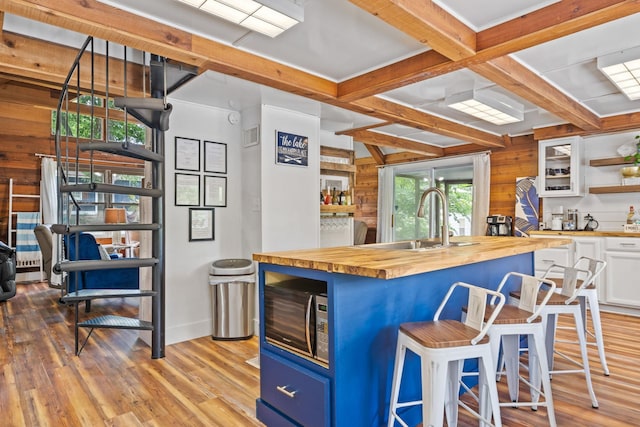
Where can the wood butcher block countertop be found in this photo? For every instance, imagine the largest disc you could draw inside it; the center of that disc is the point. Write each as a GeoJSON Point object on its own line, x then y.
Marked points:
{"type": "Point", "coordinates": [583, 233]}
{"type": "Point", "coordinates": [393, 263]}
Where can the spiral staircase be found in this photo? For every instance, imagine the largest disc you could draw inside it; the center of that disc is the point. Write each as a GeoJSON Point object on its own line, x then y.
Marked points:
{"type": "Point", "coordinates": [91, 75]}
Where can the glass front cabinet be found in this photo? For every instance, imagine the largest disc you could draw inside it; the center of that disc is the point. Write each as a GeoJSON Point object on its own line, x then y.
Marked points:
{"type": "Point", "coordinates": [560, 169]}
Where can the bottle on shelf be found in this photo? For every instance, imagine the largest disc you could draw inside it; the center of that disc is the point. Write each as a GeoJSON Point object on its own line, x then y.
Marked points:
{"type": "Point", "coordinates": [334, 197]}
{"type": "Point", "coordinates": [348, 197]}
{"type": "Point", "coordinates": [630, 215]}
{"type": "Point", "coordinates": [635, 219]}
{"type": "Point", "coordinates": [342, 199]}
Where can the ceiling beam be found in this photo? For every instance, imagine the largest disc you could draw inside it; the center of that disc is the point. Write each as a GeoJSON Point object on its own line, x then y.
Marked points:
{"type": "Point", "coordinates": [543, 25]}
{"type": "Point", "coordinates": [520, 80]}
{"type": "Point", "coordinates": [426, 22]}
{"type": "Point", "coordinates": [376, 153]}
{"type": "Point", "coordinates": [611, 124]}
{"type": "Point", "coordinates": [380, 139]}
{"type": "Point", "coordinates": [385, 110]}
{"type": "Point", "coordinates": [48, 62]}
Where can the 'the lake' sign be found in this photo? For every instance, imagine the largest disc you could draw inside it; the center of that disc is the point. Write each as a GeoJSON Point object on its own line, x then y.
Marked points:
{"type": "Point", "coordinates": [292, 149]}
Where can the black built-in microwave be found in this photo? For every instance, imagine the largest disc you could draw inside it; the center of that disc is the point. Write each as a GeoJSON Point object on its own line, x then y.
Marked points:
{"type": "Point", "coordinates": [296, 315]}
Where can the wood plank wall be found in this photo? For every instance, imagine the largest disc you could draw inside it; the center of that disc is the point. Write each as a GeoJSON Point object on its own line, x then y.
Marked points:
{"type": "Point", "coordinates": [518, 159]}
{"type": "Point", "coordinates": [25, 129]}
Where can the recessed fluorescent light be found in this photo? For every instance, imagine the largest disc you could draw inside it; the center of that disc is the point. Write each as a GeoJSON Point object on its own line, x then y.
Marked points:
{"type": "Point", "coordinates": [491, 107]}
{"type": "Point", "coordinates": [269, 17]}
{"type": "Point", "coordinates": [623, 70]}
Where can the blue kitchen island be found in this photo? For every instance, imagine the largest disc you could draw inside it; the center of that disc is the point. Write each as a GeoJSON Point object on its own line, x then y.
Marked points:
{"type": "Point", "coordinates": [370, 291]}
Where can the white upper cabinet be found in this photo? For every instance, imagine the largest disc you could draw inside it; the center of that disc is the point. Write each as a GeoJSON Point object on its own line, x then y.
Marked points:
{"type": "Point", "coordinates": [560, 168]}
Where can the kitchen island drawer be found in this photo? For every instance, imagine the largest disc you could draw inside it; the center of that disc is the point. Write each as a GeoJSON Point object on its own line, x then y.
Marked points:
{"type": "Point", "coordinates": [299, 393]}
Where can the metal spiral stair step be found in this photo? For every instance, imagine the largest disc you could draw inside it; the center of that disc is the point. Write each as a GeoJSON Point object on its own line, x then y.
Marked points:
{"type": "Point", "coordinates": [90, 294]}
{"type": "Point", "coordinates": [112, 264]}
{"type": "Point", "coordinates": [97, 187]}
{"type": "Point", "coordinates": [71, 229]}
{"type": "Point", "coordinates": [134, 151]}
{"type": "Point", "coordinates": [153, 112]}
{"type": "Point", "coordinates": [116, 322]}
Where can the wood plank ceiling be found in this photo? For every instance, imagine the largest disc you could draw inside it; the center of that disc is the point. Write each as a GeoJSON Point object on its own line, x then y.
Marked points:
{"type": "Point", "coordinates": [453, 46]}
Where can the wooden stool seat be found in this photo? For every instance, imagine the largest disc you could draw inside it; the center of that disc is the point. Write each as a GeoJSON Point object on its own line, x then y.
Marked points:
{"type": "Point", "coordinates": [556, 299]}
{"type": "Point", "coordinates": [509, 315]}
{"type": "Point", "coordinates": [578, 284]}
{"type": "Point", "coordinates": [441, 333]}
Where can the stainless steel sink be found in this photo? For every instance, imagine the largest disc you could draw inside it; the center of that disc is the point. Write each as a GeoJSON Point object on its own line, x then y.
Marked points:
{"type": "Point", "coordinates": [414, 245]}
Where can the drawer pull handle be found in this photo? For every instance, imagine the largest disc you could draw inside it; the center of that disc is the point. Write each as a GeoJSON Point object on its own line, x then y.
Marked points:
{"type": "Point", "coordinates": [283, 389]}
{"type": "Point", "coordinates": [548, 261]}
{"type": "Point", "coordinates": [628, 245]}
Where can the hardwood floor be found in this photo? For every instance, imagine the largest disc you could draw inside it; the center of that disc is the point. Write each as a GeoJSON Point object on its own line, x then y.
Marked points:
{"type": "Point", "coordinates": [208, 383]}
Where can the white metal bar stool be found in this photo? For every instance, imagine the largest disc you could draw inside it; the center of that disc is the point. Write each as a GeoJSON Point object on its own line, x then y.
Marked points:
{"type": "Point", "coordinates": [442, 346]}
{"type": "Point", "coordinates": [588, 295]}
{"type": "Point", "coordinates": [524, 319]}
{"type": "Point", "coordinates": [565, 302]}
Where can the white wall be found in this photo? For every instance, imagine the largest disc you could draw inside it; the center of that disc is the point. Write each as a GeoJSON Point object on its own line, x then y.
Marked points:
{"type": "Point", "coordinates": [188, 302]}
{"type": "Point", "coordinates": [610, 210]}
{"type": "Point", "coordinates": [289, 194]}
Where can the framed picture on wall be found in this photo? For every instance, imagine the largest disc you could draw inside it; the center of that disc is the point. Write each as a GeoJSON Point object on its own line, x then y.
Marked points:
{"type": "Point", "coordinates": [292, 149]}
{"type": "Point", "coordinates": [215, 157]}
{"type": "Point", "coordinates": [187, 189]}
{"type": "Point", "coordinates": [215, 191]}
{"type": "Point", "coordinates": [187, 154]}
{"type": "Point", "coordinates": [201, 224]}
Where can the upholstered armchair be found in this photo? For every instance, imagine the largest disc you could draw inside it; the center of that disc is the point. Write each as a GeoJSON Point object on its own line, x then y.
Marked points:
{"type": "Point", "coordinates": [89, 249]}
{"type": "Point", "coordinates": [45, 241]}
{"type": "Point", "coordinates": [7, 272]}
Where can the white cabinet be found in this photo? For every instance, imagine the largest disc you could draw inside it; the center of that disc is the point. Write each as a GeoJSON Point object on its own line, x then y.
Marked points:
{"type": "Point", "coordinates": [592, 247]}
{"type": "Point", "coordinates": [560, 171]}
{"type": "Point", "coordinates": [623, 259]}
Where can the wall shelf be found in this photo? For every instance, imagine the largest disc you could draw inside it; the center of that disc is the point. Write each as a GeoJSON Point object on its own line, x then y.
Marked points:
{"type": "Point", "coordinates": [337, 209]}
{"type": "Point", "coordinates": [338, 162]}
{"type": "Point", "coordinates": [611, 161]}
{"type": "Point", "coordinates": [615, 189]}
{"type": "Point", "coordinates": [612, 189]}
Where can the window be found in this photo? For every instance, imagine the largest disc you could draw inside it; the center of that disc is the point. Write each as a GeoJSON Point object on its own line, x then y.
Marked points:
{"type": "Point", "coordinates": [82, 122]}
{"type": "Point", "coordinates": [92, 205]}
{"type": "Point", "coordinates": [457, 184]}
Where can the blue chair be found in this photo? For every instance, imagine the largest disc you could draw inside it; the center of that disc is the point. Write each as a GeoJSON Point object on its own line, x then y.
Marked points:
{"type": "Point", "coordinates": [88, 249]}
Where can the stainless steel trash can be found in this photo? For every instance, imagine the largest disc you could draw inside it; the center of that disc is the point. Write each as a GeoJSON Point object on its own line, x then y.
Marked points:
{"type": "Point", "coordinates": [232, 283]}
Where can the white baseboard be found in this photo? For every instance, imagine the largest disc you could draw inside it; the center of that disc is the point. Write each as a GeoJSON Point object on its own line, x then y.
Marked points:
{"type": "Point", "coordinates": [30, 276]}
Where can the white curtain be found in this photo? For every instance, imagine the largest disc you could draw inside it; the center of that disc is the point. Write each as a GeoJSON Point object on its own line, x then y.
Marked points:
{"type": "Point", "coordinates": [49, 202]}
{"type": "Point", "coordinates": [49, 191]}
{"type": "Point", "coordinates": [384, 231]}
{"type": "Point", "coordinates": [481, 190]}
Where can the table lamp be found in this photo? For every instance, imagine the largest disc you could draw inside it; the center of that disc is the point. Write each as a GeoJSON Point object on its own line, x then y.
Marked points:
{"type": "Point", "coordinates": [115, 216]}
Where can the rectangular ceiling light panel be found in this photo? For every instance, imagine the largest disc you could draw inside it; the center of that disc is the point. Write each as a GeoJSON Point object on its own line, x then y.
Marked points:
{"type": "Point", "coordinates": [492, 108]}
{"type": "Point", "coordinates": [269, 17]}
{"type": "Point", "coordinates": [623, 70]}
